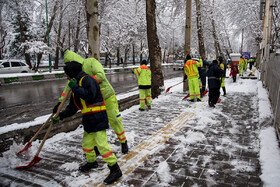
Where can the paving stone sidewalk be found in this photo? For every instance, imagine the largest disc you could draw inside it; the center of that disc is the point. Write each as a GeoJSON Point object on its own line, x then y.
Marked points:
{"type": "Point", "coordinates": [226, 155]}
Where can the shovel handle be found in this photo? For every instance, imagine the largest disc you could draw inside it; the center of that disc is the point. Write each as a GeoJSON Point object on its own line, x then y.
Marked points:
{"type": "Point", "coordinates": [37, 133]}
{"type": "Point", "coordinates": [50, 127]}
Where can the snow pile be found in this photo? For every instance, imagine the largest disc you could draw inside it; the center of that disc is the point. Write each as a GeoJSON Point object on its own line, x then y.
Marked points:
{"type": "Point", "coordinates": [164, 174]}
{"type": "Point", "coordinates": [269, 148]}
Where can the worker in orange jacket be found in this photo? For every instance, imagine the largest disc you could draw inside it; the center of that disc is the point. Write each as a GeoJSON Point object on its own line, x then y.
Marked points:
{"type": "Point", "coordinates": [191, 70]}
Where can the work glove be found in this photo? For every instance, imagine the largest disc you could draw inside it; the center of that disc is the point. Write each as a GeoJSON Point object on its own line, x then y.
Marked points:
{"type": "Point", "coordinates": [72, 83]}
{"type": "Point", "coordinates": [55, 120]}
{"type": "Point", "coordinates": [132, 71]}
{"type": "Point", "coordinates": [56, 107]}
{"type": "Point", "coordinates": [185, 77]}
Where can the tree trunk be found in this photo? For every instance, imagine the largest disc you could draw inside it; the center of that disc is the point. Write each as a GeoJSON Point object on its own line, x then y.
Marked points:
{"type": "Point", "coordinates": [93, 28]}
{"type": "Point", "coordinates": [188, 30]}
{"type": "Point", "coordinates": [164, 53]}
{"type": "Point", "coordinates": [23, 39]}
{"type": "Point", "coordinates": [58, 37]}
{"type": "Point", "coordinates": [215, 38]}
{"type": "Point", "coordinates": [200, 30]}
{"type": "Point", "coordinates": [126, 50]}
{"type": "Point", "coordinates": [76, 43]}
{"type": "Point", "coordinates": [118, 56]}
{"type": "Point", "coordinates": [141, 49]}
{"type": "Point", "coordinates": [154, 49]}
{"type": "Point", "coordinates": [133, 53]}
{"type": "Point", "coordinates": [216, 41]}
{"type": "Point", "coordinates": [188, 27]}
{"type": "Point", "coordinates": [242, 39]}
{"type": "Point", "coordinates": [69, 35]}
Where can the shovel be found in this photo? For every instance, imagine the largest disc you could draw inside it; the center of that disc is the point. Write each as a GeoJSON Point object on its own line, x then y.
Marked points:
{"type": "Point", "coordinates": [186, 96]}
{"type": "Point", "coordinates": [36, 158]}
{"type": "Point", "coordinates": [167, 90]}
{"type": "Point", "coordinates": [29, 144]}
{"type": "Point", "coordinates": [205, 92]}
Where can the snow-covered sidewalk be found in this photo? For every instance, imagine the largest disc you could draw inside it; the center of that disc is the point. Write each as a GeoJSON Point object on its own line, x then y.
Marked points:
{"type": "Point", "coordinates": [177, 143]}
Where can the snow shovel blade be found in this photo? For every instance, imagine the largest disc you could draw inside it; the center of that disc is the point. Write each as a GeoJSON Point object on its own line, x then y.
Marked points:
{"type": "Point", "coordinates": [35, 160]}
{"type": "Point", "coordinates": [27, 146]}
{"type": "Point", "coordinates": [205, 92]}
{"type": "Point", "coordinates": [186, 97]}
{"type": "Point", "coordinates": [219, 100]}
{"type": "Point", "coordinates": [167, 90]}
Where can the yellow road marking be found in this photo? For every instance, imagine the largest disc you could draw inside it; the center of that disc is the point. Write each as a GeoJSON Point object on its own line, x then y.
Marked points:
{"type": "Point", "coordinates": [133, 159]}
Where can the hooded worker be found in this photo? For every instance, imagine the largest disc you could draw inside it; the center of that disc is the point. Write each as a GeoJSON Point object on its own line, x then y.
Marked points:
{"type": "Point", "coordinates": [214, 75]}
{"type": "Point", "coordinates": [143, 74]}
{"type": "Point", "coordinates": [94, 68]}
{"type": "Point", "coordinates": [87, 97]}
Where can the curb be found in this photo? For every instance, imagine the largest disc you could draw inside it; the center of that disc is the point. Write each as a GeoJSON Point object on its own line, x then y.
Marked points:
{"type": "Point", "coordinates": [31, 78]}
{"type": "Point", "coordinates": [27, 78]}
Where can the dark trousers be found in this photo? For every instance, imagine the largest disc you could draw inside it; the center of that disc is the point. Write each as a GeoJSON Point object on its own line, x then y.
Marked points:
{"type": "Point", "coordinates": [214, 94]}
{"type": "Point", "coordinates": [234, 78]}
{"type": "Point", "coordinates": [203, 83]}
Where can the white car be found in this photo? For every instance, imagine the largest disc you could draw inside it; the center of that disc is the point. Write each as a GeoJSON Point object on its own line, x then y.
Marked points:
{"type": "Point", "coordinates": [178, 65]}
{"type": "Point", "coordinates": [13, 66]}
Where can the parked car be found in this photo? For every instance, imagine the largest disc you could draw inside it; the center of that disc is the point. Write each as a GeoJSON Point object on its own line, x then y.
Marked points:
{"type": "Point", "coordinates": [13, 66]}
{"type": "Point", "coordinates": [178, 65]}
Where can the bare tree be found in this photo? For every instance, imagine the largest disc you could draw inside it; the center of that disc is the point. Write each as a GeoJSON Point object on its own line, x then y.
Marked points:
{"type": "Point", "coordinates": [154, 48]}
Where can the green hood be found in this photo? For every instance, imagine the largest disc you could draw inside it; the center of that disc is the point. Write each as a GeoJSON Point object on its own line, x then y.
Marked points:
{"type": "Point", "coordinates": [72, 56]}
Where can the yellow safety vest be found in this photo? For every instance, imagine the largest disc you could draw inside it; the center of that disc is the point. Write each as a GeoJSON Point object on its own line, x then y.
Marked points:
{"type": "Point", "coordinates": [191, 69]}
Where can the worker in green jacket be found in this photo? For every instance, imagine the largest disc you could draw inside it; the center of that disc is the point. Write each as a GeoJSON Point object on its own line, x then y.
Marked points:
{"type": "Point", "coordinates": [241, 65]}
{"type": "Point", "coordinates": [143, 74]}
{"type": "Point", "coordinates": [94, 68]}
{"type": "Point", "coordinates": [222, 66]}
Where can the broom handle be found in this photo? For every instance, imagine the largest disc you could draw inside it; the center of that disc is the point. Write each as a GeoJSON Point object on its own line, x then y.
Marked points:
{"type": "Point", "coordinates": [56, 115]}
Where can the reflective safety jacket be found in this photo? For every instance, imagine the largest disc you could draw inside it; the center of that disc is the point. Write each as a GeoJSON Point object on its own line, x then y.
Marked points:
{"type": "Point", "coordinates": [87, 97]}
{"type": "Point", "coordinates": [92, 67]}
{"type": "Point", "coordinates": [241, 63]}
{"type": "Point", "coordinates": [191, 68]}
{"type": "Point", "coordinates": [144, 77]}
{"type": "Point", "coordinates": [222, 66]}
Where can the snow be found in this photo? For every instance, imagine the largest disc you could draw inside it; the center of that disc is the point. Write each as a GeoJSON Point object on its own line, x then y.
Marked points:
{"type": "Point", "coordinates": [269, 150]}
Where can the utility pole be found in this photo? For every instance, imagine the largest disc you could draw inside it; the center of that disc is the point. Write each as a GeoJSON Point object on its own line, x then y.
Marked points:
{"type": "Point", "coordinates": [265, 45]}
{"type": "Point", "coordinates": [188, 30]}
{"type": "Point", "coordinates": [50, 63]}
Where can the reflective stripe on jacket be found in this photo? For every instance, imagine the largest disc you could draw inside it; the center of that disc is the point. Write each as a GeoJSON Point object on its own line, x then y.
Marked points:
{"type": "Point", "coordinates": [89, 108]}
{"type": "Point", "coordinates": [191, 68]}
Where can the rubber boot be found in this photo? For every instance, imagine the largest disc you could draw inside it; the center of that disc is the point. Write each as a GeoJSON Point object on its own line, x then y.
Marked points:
{"type": "Point", "coordinates": [124, 147]}
{"type": "Point", "coordinates": [88, 166]}
{"type": "Point", "coordinates": [224, 89]}
{"type": "Point", "coordinates": [115, 174]}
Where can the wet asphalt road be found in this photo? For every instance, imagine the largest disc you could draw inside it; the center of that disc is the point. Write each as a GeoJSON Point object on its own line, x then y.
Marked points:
{"type": "Point", "coordinates": [23, 102]}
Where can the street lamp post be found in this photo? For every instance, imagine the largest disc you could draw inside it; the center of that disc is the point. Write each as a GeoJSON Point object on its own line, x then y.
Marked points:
{"type": "Point", "coordinates": [50, 63]}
